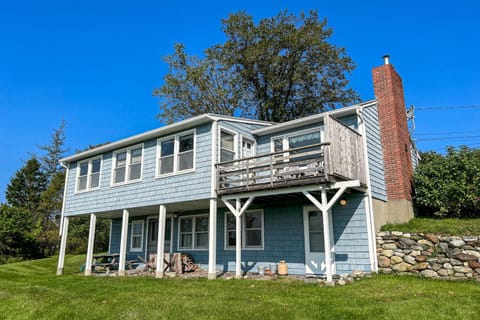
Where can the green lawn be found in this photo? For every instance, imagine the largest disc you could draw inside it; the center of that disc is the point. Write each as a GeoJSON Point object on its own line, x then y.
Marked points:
{"type": "Point", "coordinates": [30, 290]}
{"type": "Point", "coordinates": [438, 226]}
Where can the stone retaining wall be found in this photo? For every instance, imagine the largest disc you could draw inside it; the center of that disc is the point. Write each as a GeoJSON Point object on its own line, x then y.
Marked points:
{"type": "Point", "coordinates": [429, 255]}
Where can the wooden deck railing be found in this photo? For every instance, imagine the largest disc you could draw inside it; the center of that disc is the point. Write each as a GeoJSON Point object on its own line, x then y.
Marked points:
{"type": "Point", "coordinates": [339, 158]}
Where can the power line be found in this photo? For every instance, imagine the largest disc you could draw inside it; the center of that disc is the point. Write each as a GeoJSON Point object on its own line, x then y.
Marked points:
{"type": "Point", "coordinates": [450, 138]}
{"type": "Point", "coordinates": [447, 108]}
{"type": "Point", "coordinates": [443, 133]}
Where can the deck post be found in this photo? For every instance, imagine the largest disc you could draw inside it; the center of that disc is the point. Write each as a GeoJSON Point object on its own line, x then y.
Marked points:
{"type": "Point", "coordinates": [63, 246]}
{"type": "Point", "coordinates": [91, 241]}
{"type": "Point", "coordinates": [212, 240]}
{"type": "Point", "coordinates": [238, 240]}
{"type": "Point", "coordinates": [162, 219]}
{"type": "Point", "coordinates": [326, 234]}
{"type": "Point", "coordinates": [123, 243]}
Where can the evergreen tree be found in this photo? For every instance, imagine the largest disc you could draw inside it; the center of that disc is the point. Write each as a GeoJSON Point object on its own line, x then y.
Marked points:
{"type": "Point", "coordinates": [26, 187]}
{"type": "Point", "coordinates": [54, 151]}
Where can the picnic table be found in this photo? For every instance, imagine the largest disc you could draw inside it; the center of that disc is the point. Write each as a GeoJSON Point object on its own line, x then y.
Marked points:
{"type": "Point", "coordinates": [109, 262]}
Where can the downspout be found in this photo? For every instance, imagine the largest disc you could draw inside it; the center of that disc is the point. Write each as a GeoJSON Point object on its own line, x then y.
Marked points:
{"type": "Point", "coordinates": [64, 197]}
{"type": "Point", "coordinates": [370, 218]}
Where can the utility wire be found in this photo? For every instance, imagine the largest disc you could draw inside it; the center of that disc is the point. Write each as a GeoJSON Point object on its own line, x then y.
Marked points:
{"type": "Point", "coordinates": [447, 108]}
{"type": "Point", "coordinates": [444, 133]}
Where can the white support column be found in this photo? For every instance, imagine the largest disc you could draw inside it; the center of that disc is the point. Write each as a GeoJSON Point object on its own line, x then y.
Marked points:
{"type": "Point", "coordinates": [326, 235]}
{"type": "Point", "coordinates": [238, 243]}
{"type": "Point", "coordinates": [91, 242]}
{"type": "Point", "coordinates": [162, 219]}
{"type": "Point", "coordinates": [123, 243]}
{"type": "Point", "coordinates": [212, 240]}
{"type": "Point", "coordinates": [63, 246]}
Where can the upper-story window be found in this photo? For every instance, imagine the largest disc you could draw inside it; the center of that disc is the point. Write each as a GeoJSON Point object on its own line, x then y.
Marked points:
{"type": "Point", "coordinates": [227, 146]}
{"type": "Point", "coordinates": [176, 154]}
{"type": "Point", "coordinates": [298, 140]}
{"type": "Point", "coordinates": [127, 165]}
{"type": "Point", "coordinates": [89, 174]}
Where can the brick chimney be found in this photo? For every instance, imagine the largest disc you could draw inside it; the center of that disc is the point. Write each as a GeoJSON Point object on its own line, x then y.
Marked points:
{"type": "Point", "coordinates": [395, 137]}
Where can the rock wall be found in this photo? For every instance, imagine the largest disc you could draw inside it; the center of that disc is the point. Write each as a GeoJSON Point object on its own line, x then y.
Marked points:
{"type": "Point", "coordinates": [429, 255]}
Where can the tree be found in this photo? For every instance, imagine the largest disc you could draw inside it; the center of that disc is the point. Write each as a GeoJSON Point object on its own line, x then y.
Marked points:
{"type": "Point", "coordinates": [449, 186]}
{"type": "Point", "coordinates": [26, 187]}
{"type": "Point", "coordinates": [280, 69]}
{"type": "Point", "coordinates": [16, 238]}
{"type": "Point", "coordinates": [54, 151]}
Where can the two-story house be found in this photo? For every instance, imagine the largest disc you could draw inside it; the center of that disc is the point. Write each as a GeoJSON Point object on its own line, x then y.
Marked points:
{"type": "Point", "coordinates": [238, 193]}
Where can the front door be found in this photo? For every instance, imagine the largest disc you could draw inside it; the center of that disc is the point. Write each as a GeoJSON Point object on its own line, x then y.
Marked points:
{"type": "Point", "coordinates": [314, 241]}
{"type": "Point", "coordinates": [153, 236]}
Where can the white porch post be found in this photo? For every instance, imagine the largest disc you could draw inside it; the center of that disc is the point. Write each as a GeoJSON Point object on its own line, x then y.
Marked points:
{"type": "Point", "coordinates": [63, 246]}
{"type": "Point", "coordinates": [212, 240]}
{"type": "Point", "coordinates": [91, 241]}
{"type": "Point", "coordinates": [123, 243]}
{"type": "Point", "coordinates": [326, 234]}
{"type": "Point", "coordinates": [162, 217]}
{"type": "Point", "coordinates": [238, 242]}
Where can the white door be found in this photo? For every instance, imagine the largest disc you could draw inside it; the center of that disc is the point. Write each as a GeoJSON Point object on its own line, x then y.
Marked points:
{"type": "Point", "coordinates": [314, 241]}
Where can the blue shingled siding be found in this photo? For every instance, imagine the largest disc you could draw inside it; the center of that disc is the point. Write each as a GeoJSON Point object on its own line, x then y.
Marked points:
{"type": "Point", "coordinates": [283, 239]}
{"type": "Point", "coordinates": [150, 191]}
{"type": "Point", "coordinates": [350, 235]}
{"type": "Point", "coordinates": [375, 153]}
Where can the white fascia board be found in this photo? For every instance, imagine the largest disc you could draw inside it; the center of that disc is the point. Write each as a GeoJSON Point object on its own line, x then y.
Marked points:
{"type": "Point", "coordinates": [241, 120]}
{"type": "Point", "coordinates": [179, 126]}
{"type": "Point", "coordinates": [311, 119]}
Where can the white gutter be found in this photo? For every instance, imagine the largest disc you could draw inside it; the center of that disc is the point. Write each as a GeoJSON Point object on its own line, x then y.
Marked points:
{"type": "Point", "coordinates": [64, 198]}
{"type": "Point", "coordinates": [369, 205]}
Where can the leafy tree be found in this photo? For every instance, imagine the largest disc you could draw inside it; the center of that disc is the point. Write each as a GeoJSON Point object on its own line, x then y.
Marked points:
{"type": "Point", "coordinates": [16, 234]}
{"type": "Point", "coordinates": [449, 186]}
{"type": "Point", "coordinates": [54, 151]}
{"type": "Point", "coordinates": [280, 69]}
{"type": "Point", "coordinates": [78, 235]}
{"type": "Point", "coordinates": [26, 187]}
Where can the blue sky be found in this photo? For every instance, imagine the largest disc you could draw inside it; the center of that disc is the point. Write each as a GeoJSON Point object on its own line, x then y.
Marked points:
{"type": "Point", "coordinates": [95, 63]}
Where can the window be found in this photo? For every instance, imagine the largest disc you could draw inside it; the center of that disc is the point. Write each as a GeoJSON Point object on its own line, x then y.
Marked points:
{"type": "Point", "coordinates": [193, 232]}
{"type": "Point", "coordinates": [89, 175]}
{"type": "Point", "coordinates": [298, 140]}
{"type": "Point", "coordinates": [176, 154]}
{"type": "Point", "coordinates": [127, 165]}
{"type": "Point", "coordinates": [136, 240]}
{"type": "Point", "coordinates": [227, 146]}
{"type": "Point", "coordinates": [252, 230]}
{"type": "Point", "coordinates": [248, 148]}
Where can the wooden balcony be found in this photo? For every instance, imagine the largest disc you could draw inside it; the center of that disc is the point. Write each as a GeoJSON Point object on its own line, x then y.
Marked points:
{"type": "Point", "coordinates": [339, 158]}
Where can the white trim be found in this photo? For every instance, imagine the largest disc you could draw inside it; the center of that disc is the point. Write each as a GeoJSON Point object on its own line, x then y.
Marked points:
{"type": "Point", "coordinates": [162, 218]}
{"type": "Point", "coordinates": [155, 133]}
{"type": "Point", "coordinates": [235, 141]}
{"type": "Point", "coordinates": [176, 144]}
{"type": "Point", "coordinates": [372, 245]}
{"type": "Point", "coordinates": [90, 246]}
{"type": "Point", "coordinates": [110, 237]}
{"type": "Point", "coordinates": [254, 146]}
{"type": "Point", "coordinates": [67, 172]}
{"type": "Point", "coordinates": [89, 174]}
{"type": "Point", "coordinates": [128, 152]}
{"type": "Point", "coordinates": [142, 223]}
{"type": "Point", "coordinates": [310, 119]}
{"type": "Point", "coordinates": [193, 247]}
{"type": "Point", "coordinates": [244, 231]}
{"type": "Point", "coordinates": [123, 243]}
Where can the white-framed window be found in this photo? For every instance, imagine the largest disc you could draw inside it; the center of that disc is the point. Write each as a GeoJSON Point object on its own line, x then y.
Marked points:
{"type": "Point", "coordinates": [127, 165]}
{"type": "Point", "coordinates": [193, 232]}
{"type": "Point", "coordinates": [176, 154]}
{"type": "Point", "coordinates": [252, 230]}
{"type": "Point", "coordinates": [88, 177]}
{"type": "Point", "coordinates": [228, 145]}
{"type": "Point", "coordinates": [298, 139]}
{"type": "Point", "coordinates": [248, 147]}
{"type": "Point", "coordinates": [136, 237]}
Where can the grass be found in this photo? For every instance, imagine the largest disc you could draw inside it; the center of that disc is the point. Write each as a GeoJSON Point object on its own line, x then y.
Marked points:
{"type": "Point", "coordinates": [449, 226]}
{"type": "Point", "coordinates": [30, 290]}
